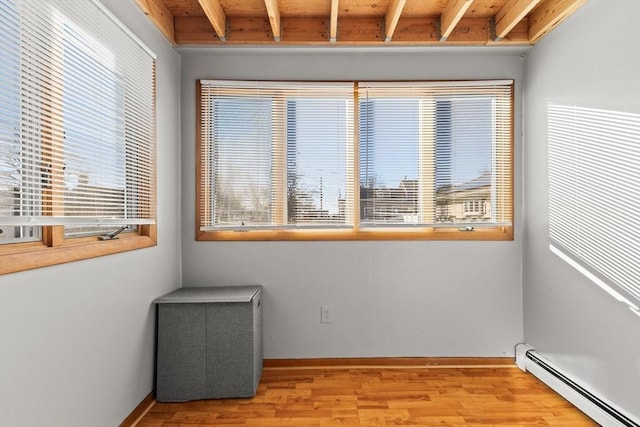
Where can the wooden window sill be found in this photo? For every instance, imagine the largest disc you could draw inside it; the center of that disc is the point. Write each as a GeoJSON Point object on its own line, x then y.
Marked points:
{"type": "Point", "coordinates": [493, 234]}
{"type": "Point", "coordinates": [27, 256]}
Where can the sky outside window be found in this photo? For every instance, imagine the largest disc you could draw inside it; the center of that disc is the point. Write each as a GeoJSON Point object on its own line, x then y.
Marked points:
{"type": "Point", "coordinates": [316, 153]}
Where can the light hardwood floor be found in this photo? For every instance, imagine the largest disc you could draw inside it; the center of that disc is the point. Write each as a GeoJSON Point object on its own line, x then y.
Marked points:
{"type": "Point", "coordinates": [461, 393]}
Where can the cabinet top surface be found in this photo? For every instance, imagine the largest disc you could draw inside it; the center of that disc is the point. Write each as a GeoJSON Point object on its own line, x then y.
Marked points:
{"type": "Point", "coordinates": [211, 294]}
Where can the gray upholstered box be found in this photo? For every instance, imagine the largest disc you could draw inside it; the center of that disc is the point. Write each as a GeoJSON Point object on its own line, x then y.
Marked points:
{"type": "Point", "coordinates": [209, 343]}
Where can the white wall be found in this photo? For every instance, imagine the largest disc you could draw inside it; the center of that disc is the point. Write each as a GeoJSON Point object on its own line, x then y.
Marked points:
{"type": "Point", "coordinates": [592, 60]}
{"type": "Point", "coordinates": [77, 340]}
{"type": "Point", "coordinates": [389, 298]}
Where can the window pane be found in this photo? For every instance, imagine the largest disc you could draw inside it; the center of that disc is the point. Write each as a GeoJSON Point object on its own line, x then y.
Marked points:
{"type": "Point", "coordinates": [11, 202]}
{"type": "Point", "coordinates": [275, 155]}
{"type": "Point", "coordinates": [316, 161]}
{"type": "Point", "coordinates": [435, 155]}
{"type": "Point", "coordinates": [93, 117]}
{"type": "Point", "coordinates": [464, 141]}
{"type": "Point", "coordinates": [389, 142]}
{"type": "Point", "coordinates": [241, 160]}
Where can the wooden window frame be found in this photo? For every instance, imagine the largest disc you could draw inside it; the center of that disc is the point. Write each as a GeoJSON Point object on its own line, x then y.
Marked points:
{"type": "Point", "coordinates": [54, 248]}
{"type": "Point", "coordinates": [499, 233]}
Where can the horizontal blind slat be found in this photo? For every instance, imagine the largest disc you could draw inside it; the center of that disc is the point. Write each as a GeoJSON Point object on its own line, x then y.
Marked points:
{"type": "Point", "coordinates": [84, 123]}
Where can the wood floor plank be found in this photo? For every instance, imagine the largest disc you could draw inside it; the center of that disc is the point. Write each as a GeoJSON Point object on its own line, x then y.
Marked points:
{"type": "Point", "coordinates": [381, 395]}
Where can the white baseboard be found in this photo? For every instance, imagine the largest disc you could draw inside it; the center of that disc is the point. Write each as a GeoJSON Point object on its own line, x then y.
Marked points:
{"type": "Point", "coordinates": [602, 411]}
{"type": "Point", "coordinates": [521, 355]}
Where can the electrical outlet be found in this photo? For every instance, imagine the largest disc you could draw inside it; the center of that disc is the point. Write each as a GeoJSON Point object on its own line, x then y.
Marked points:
{"type": "Point", "coordinates": [326, 314]}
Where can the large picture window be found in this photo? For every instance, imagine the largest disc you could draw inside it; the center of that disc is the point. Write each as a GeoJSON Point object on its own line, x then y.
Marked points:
{"type": "Point", "coordinates": [77, 134]}
{"type": "Point", "coordinates": [363, 160]}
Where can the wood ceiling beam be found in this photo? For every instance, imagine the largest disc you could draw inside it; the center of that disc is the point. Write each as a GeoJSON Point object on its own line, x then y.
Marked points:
{"type": "Point", "coordinates": [511, 14]}
{"type": "Point", "coordinates": [519, 35]}
{"type": "Point", "coordinates": [548, 15]}
{"type": "Point", "coordinates": [215, 14]}
{"type": "Point", "coordinates": [333, 26]}
{"type": "Point", "coordinates": [274, 18]}
{"type": "Point", "coordinates": [161, 16]}
{"type": "Point", "coordinates": [391, 18]}
{"type": "Point", "coordinates": [451, 15]}
{"type": "Point", "coordinates": [360, 31]}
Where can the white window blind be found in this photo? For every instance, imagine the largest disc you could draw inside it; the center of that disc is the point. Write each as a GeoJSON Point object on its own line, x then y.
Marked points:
{"type": "Point", "coordinates": [427, 149]}
{"type": "Point", "coordinates": [276, 155]}
{"type": "Point", "coordinates": [77, 117]}
{"type": "Point", "coordinates": [594, 192]}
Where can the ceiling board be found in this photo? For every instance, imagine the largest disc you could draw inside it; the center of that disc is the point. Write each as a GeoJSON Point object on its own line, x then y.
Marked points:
{"type": "Point", "coordinates": [184, 7]}
{"type": "Point", "coordinates": [244, 7]}
{"type": "Point", "coordinates": [364, 22]}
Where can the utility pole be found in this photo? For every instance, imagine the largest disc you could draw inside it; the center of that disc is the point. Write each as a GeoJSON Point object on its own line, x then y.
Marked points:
{"type": "Point", "coordinates": [321, 194]}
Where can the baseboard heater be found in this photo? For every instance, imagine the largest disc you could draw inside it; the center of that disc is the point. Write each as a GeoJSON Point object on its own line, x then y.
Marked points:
{"type": "Point", "coordinates": [601, 411]}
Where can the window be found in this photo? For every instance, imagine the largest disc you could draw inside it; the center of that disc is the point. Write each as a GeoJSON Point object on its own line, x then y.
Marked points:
{"type": "Point", "coordinates": [474, 208]}
{"type": "Point", "coordinates": [430, 152]}
{"type": "Point", "coordinates": [77, 134]}
{"type": "Point", "coordinates": [276, 156]}
{"type": "Point", "coordinates": [418, 160]}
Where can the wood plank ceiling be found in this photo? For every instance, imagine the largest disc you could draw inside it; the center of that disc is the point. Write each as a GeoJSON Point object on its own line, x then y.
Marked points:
{"type": "Point", "coordinates": [357, 22]}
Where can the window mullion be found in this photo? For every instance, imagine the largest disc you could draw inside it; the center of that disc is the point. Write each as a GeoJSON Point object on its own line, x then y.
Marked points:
{"type": "Point", "coordinates": [353, 166]}
{"type": "Point", "coordinates": [53, 141]}
{"type": "Point", "coordinates": [53, 235]}
{"type": "Point", "coordinates": [427, 161]}
{"type": "Point", "coordinates": [504, 158]}
{"type": "Point", "coordinates": [204, 123]}
{"type": "Point", "coordinates": [279, 160]}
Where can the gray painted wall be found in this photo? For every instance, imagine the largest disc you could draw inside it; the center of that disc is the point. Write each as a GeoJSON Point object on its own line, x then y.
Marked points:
{"type": "Point", "coordinates": [389, 298]}
{"type": "Point", "coordinates": [591, 61]}
{"type": "Point", "coordinates": [77, 340]}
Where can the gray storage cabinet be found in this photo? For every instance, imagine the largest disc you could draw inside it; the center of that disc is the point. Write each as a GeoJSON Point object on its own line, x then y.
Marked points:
{"type": "Point", "coordinates": [209, 343]}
